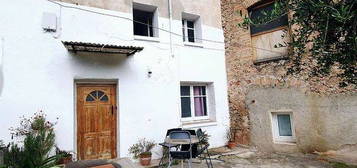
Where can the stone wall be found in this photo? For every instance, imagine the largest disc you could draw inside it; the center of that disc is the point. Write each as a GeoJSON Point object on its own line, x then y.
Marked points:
{"type": "Point", "coordinates": [243, 74]}
{"type": "Point", "coordinates": [321, 123]}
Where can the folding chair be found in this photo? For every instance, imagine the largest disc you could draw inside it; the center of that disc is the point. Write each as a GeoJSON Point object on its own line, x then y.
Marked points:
{"type": "Point", "coordinates": [181, 154]}
{"type": "Point", "coordinates": [167, 146]}
{"type": "Point", "coordinates": [203, 149]}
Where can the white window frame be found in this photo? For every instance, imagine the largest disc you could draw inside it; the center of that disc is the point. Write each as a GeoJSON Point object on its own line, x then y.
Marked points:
{"type": "Point", "coordinates": [186, 30]}
{"type": "Point", "coordinates": [275, 127]}
{"type": "Point", "coordinates": [193, 117]}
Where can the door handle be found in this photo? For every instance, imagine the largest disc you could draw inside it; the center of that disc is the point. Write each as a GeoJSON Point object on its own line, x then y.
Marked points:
{"type": "Point", "coordinates": [112, 109]}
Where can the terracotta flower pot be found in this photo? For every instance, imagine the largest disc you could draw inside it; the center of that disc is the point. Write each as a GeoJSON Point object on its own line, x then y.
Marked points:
{"type": "Point", "coordinates": [145, 159]}
{"type": "Point", "coordinates": [231, 145]}
{"type": "Point", "coordinates": [65, 160]}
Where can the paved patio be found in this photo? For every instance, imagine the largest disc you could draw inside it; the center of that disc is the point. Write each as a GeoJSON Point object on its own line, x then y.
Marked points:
{"type": "Point", "coordinates": [243, 157]}
{"type": "Point", "coordinates": [251, 158]}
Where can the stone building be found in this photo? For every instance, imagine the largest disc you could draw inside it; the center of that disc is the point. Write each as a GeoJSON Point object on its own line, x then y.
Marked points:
{"type": "Point", "coordinates": [271, 109]}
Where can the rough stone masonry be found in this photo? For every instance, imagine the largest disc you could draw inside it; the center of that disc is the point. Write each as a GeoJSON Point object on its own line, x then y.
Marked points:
{"type": "Point", "coordinates": [244, 76]}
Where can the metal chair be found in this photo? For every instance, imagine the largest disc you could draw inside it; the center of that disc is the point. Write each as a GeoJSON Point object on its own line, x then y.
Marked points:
{"type": "Point", "coordinates": [194, 146]}
{"type": "Point", "coordinates": [167, 146]}
{"type": "Point", "coordinates": [203, 149]}
{"type": "Point", "coordinates": [181, 154]}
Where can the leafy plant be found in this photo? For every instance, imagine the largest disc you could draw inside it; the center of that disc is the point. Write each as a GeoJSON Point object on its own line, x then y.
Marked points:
{"type": "Point", "coordinates": [2, 144]}
{"type": "Point", "coordinates": [230, 135]}
{"type": "Point", "coordinates": [341, 165]}
{"type": "Point", "coordinates": [205, 138]}
{"type": "Point", "coordinates": [323, 36]}
{"type": "Point", "coordinates": [38, 140]}
{"type": "Point", "coordinates": [2, 150]}
{"type": "Point", "coordinates": [142, 147]}
{"type": "Point", "coordinates": [63, 153]}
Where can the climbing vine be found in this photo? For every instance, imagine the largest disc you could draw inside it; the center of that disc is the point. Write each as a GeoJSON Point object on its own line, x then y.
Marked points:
{"type": "Point", "coordinates": [321, 31]}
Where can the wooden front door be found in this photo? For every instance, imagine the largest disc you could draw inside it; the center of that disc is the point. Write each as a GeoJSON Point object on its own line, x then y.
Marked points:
{"type": "Point", "coordinates": [96, 121]}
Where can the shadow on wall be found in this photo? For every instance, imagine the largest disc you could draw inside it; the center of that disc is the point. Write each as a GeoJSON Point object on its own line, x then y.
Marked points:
{"type": "Point", "coordinates": [1, 65]}
{"type": "Point", "coordinates": [99, 59]}
{"type": "Point", "coordinates": [1, 79]}
{"type": "Point", "coordinates": [320, 123]}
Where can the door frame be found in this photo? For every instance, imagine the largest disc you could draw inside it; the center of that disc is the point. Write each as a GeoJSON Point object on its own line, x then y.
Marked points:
{"type": "Point", "coordinates": [113, 82]}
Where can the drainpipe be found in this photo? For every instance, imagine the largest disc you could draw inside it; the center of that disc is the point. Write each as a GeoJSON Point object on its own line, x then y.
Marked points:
{"type": "Point", "coordinates": [177, 59]}
{"type": "Point", "coordinates": [170, 27]}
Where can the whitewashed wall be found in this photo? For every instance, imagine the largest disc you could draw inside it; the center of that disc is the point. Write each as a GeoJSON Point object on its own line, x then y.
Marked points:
{"type": "Point", "coordinates": [39, 73]}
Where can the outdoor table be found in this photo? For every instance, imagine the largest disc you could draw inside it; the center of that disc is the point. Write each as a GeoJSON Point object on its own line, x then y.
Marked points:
{"type": "Point", "coordinates": [168, 143]}
{"type": "Point", "coordinates": [194, 140]}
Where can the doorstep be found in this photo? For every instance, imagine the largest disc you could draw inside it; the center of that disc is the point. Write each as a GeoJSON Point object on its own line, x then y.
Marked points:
{"type": "Point", "coordinates": [126, 163]}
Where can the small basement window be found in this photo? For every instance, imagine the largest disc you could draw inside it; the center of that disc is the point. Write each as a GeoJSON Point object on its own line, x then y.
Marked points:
{"type": "Point", "coordinates": [191, 28]}
{"type": "Point", "coordinates": [256, 12]}
{"type": "Point", "coordinates": [145, 20]}
{"type": "Point", "coordinates": [283, 127]}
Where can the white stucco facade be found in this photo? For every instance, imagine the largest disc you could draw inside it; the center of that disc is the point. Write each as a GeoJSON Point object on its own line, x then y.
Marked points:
{"type": "Point", "coordinates": [38, 73]}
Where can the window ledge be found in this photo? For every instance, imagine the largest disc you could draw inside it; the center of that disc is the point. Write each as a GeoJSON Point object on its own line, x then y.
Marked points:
{"type": "Point", "coordinates": [284, 142]}
{"type": "Point", "coordinates": [267, 60]}
{"type": "Point", "coordinates": [191, 44]}
{"type": "Point", "coordinates": [198, 123]}
{"type": "Point", "coordinates": [146, 38]}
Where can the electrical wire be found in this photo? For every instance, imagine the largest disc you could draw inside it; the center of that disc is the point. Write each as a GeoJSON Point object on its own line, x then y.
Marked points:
{"type": "Point", "coordinates": [168, 31]}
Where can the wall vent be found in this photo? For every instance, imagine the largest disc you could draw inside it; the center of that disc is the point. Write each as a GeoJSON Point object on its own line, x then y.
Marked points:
{"type": "Point", "coordinates": [49, 22]}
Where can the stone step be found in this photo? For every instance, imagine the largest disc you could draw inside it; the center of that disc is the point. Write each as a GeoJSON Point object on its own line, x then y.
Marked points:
{"type": "Point", "coordinates": [127, 163]}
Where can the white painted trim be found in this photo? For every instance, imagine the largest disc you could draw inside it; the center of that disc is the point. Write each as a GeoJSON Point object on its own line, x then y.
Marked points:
{"type": "Point", "coordinates": [155, 17]}
{"type": "Point", "coordinates": [146, 38]}
{"type": "Point", "coordinates": [197, 35]}
{"type": "Point", "coordinates": [193, 118]}
{"type": "Point", "coordinates": [196, 44]}
{"type": "Point", "coordinates": [199, 124]}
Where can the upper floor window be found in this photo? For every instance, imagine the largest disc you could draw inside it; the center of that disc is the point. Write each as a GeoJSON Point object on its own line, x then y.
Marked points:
{"type": "Point", "coordinates": [145, 20]}
{"type": "Point", "coordinates": [257, 11]}
{"type": "Point", "coordinates": [266, 37]}
{"type": "Point", "coordinates": [191, 28]}
{"type": "Point", "coordinates": [188, 30]}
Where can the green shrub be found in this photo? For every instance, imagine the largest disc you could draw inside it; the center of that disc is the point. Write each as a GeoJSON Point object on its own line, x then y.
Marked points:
{"type": "Point", "coordinates": [38, 140]}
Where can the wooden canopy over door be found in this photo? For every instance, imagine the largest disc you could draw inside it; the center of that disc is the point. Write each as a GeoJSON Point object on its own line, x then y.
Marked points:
{"type": "Point", "coordinates": [96, 122]}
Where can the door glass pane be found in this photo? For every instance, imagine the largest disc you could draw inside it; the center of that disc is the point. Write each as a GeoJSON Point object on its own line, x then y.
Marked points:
{"type": "Point", "coordinates": [89, 98]}
{"type": "Point", "coordinates": [185, 107]}
{"type": "Point", "coordinates": [200, 106]}
{"type": "Point", "coordinates": [284, 125]}
{"type": "Point", "coordinates": [94, 94]}
{"type": "Point", "coordinates": [100, 94]}
{"type": "Point", "coordinates": [185, 90]}
{"type": "Point", "coordinates": [104, 98]}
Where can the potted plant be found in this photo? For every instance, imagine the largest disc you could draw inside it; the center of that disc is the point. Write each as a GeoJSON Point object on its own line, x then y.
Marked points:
{"type": "Point", "coordinates": [142, 150]}
{"type": "Point", "coordinates": [2, 149]}
{"type": "Point", "coordinates": [65, 157]}
{"type": "Point", "coordinates": [230, 137]}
